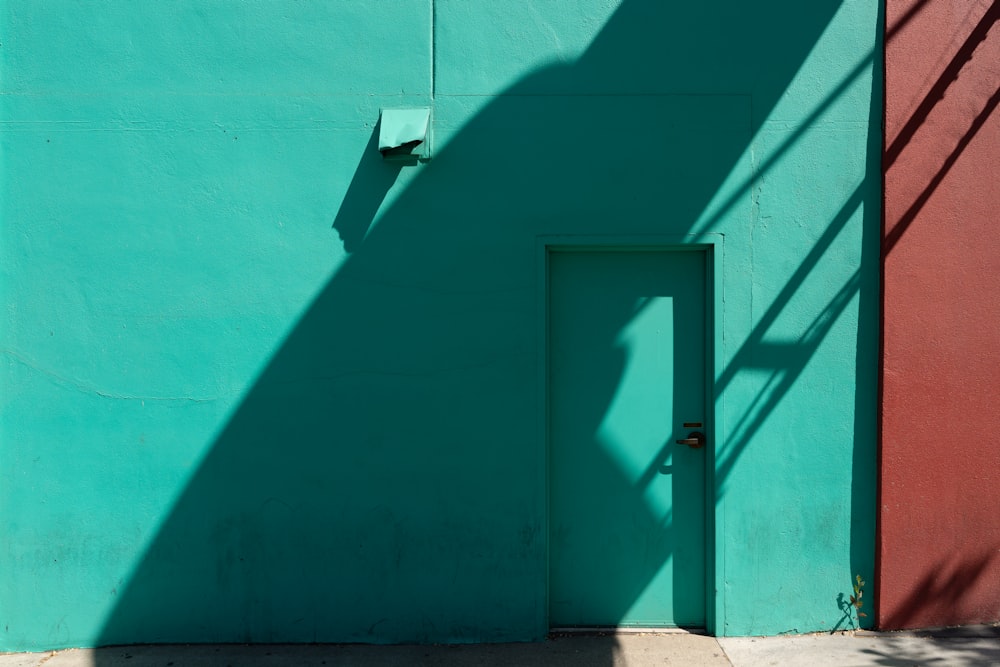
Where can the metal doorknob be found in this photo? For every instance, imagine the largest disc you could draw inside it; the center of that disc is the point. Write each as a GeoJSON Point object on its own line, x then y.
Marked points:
{"type": "Point", "coordinates": [695, 440]}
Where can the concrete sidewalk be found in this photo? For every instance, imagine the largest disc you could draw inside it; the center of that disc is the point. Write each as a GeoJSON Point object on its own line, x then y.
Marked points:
{"type": "Point", "coordinates": [966, 647]}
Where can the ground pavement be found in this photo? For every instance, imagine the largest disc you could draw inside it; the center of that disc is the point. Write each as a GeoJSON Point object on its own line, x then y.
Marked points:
{"type": "Point", "coordinates": [963, 647]}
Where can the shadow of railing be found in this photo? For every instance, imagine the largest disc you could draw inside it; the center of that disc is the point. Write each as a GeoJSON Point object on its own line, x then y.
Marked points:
{"type": "Point", "coordinates": [949, 75]}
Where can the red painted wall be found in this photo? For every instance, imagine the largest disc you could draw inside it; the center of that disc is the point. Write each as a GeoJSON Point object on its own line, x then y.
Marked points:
{"type": "Point", "coordinates": [939, 542]}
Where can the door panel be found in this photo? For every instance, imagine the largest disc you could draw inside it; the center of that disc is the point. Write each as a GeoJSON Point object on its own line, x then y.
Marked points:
{"type": "Point", "coordinates": [627, 369]}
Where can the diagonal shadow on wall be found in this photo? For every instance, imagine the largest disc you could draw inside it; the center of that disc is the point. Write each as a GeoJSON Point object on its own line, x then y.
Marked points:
{"type": "Point", "coordinates": [382, 480]}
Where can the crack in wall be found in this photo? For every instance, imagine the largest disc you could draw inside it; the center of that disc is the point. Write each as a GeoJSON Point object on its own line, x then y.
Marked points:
{"type": "Point", "coordinates": [87, 388]}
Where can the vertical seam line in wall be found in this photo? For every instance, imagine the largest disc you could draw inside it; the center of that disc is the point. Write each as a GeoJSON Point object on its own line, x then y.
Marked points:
{"type": "Point", "coordinates": [433, 48]}
{"type": "Point", "coordinates": [755, 192]}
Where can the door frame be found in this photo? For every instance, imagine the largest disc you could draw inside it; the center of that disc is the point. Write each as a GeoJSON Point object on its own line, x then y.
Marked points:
{"type": "Point", "coordinates": [713, 247]}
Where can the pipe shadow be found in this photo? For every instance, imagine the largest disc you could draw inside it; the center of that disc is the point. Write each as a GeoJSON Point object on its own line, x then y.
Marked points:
{"type": "Point", "coordinates": [373, 178]}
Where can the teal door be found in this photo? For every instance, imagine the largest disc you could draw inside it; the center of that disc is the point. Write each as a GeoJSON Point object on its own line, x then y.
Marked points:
{"type": "Point", "coordinates": [627, 380]}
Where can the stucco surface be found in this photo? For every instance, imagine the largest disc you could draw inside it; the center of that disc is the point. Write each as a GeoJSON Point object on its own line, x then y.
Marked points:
{"type": "Point", "coordinates": [260, 386]}
{"type": "Point", "coordinates": [940, 514]}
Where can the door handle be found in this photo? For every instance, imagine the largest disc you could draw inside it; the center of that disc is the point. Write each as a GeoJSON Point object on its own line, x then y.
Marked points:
{"type": "Point", "coordinates": [695, 440]}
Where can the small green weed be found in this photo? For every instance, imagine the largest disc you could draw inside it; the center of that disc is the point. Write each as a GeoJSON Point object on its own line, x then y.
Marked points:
{"type": "Point", "coordinates": [859, 591]}
{"type": "Point", "coordinates": [851, 607]}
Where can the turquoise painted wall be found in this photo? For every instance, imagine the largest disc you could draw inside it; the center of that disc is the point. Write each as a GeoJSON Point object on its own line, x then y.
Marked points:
{"type": "Point", "coordinates": [259, 385]}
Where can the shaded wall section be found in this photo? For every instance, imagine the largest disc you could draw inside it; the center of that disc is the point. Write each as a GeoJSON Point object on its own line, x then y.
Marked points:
{"type": "Point", "coordinates": [939, 547]}
{"type": "Point", "coordinates": [261, 386]}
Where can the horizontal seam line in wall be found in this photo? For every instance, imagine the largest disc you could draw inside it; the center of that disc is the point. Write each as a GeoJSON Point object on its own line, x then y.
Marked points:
{"type": "Point", "coordinates": [183, 128]}
{"type": "Point", "coordinates": [640, 94]}
{"type": "Point", "coordinates": [279, 95]}
{"type": "Point", "coordinates": [179, 93]}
